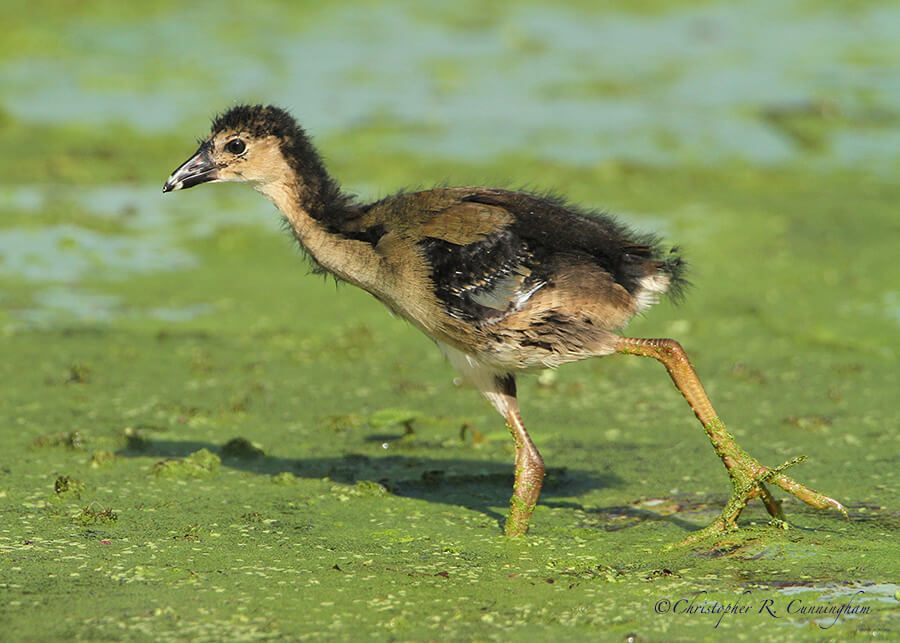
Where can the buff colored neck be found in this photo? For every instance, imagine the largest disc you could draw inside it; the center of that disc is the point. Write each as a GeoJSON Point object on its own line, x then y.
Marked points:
{"type": "Point", "coordinates": [351, 260]}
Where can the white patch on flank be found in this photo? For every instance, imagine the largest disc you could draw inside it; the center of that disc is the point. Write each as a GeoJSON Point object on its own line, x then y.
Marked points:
{"type": "Point", "coordinates": [650, 289]}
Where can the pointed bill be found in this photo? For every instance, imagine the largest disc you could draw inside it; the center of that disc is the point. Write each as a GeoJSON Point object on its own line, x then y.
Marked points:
{"type": "Point", "coordinates": [196, 170]}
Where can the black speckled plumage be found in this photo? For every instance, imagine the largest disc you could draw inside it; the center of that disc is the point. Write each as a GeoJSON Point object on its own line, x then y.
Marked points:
{"type": "Point", "coordinates": [462, 272]}
{"type": "Point", "coordinates": [551, 225]}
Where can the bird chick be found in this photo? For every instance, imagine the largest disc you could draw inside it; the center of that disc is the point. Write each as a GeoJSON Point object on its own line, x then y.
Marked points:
{"type": "Point", "coordinates": [503, 282]}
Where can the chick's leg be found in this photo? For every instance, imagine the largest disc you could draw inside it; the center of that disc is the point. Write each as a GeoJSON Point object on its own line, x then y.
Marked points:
{"type": "Point", "coordinates": [529, 463]}
{"type": "Point", "coordinates": [747, 474]}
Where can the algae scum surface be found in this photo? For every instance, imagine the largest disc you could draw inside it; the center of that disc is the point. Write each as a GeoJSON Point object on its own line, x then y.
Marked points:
{"type": "Point", "coordinates": [198, 441]}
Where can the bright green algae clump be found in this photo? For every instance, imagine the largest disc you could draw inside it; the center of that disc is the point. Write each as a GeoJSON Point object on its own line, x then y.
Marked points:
{"type": "Point", "coordinates": [199, 464]}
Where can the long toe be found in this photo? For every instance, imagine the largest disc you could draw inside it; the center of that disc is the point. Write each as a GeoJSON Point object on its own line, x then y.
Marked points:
{"type": "Point", "coordinates": [809, 496]}
{"type": "Point", "coordinates": [749, 483]}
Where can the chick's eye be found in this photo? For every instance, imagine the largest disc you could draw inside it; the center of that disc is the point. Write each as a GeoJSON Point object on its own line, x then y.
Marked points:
{"type": "Point", "coordinates": [235, 146]}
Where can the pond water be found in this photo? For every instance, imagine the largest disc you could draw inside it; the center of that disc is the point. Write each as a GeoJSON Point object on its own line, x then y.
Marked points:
{"type": "Point", "coordinates": [701, 85]}
{"type": "Point", "coordinates": [757, 83]}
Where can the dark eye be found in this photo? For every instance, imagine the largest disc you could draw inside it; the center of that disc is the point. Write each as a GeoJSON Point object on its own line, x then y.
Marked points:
{"type": "Point", "coordinates": [235, 146]}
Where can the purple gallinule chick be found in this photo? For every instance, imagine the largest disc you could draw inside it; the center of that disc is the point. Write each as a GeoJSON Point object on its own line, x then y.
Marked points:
{"type": "Point", "coordinates": [503, 282]}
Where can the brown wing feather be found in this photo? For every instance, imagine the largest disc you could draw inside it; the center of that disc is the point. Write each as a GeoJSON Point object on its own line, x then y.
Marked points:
{"type": "Point", "coordinates": [465, 223]}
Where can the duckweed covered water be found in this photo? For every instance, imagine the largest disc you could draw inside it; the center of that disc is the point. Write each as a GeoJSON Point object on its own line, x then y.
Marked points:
{"type": "Point", "coordinates": [199, 441]}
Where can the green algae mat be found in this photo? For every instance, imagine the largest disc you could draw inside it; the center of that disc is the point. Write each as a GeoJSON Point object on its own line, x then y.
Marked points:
{"type": "Point", "coordinates": [201, 441]}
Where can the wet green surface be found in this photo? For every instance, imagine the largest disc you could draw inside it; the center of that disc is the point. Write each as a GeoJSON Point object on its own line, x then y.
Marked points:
{"type": "Point", "coordinates": [200, 441]}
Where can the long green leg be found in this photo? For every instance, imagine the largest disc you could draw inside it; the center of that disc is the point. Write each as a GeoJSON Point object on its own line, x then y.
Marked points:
{"type": "Point", "coordinates": [529, 477]}
{"type": "Point", "coordinates": [529, 463]}
{"type": "Point", "coordinates": [748, 476]}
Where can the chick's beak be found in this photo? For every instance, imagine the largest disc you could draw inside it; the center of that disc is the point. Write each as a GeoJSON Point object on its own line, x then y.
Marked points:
{"type": "Point", "coordinates": [196, 170]}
